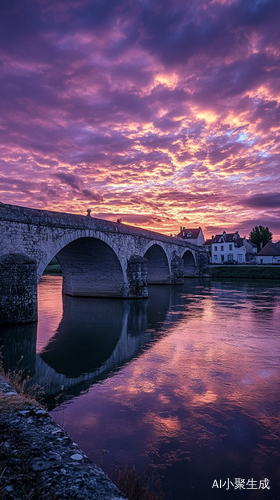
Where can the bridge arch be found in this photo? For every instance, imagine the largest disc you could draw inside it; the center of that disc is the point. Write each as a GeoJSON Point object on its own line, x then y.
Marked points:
{"type": "Point", "coordinates": [189, 264]}
{"type": "Point", "coordinates": [158, 266]}
{"type": "Point", "coordinates": [90, 267]}
{"type": "Point", "coordinates": [54, 247]}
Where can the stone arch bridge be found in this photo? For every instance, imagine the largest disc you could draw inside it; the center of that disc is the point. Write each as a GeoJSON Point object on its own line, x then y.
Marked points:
{"type": "Point", "coordinates": [98, 258]}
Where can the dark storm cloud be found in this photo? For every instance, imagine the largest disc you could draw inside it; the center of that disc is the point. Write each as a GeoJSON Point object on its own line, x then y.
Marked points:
{"type": "Point", "coordinates": [89, 195]}
{"type": "Point", "coordinates": [10, 185]}
{"type": "Point", "coordinates": [223, 152]}
{"type": "Point", "coordinates": [266, 220]}
{"type": "Point", "coordinates": [177, 31]}
{"type": "Point", "coordinates": [77, 185]}
{"type": "Point", "coordinates": [263, 200]}
{"type": "Point", "coordinates": [70, 179]}
{"type": "Point", "coordinates": [153, 158]}
{"type": "Point", "coordinates": [128, 218]}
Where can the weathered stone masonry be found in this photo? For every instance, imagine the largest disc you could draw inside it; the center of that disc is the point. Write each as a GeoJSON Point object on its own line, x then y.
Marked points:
{"type": "Point", "coordinates": [18, 289]}
{"type": "Point", "coordinates": [98, 258]}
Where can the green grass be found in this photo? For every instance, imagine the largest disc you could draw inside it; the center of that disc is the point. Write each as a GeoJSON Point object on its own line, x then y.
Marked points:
{"type": "Point", "coordinates": [139, 486]}
{"type": "Point", "coordinates": [246, 271]}
{"type": "Point", "coordinates": [17, 379]}
{"type": "Point", "coordinates": [53, 267]}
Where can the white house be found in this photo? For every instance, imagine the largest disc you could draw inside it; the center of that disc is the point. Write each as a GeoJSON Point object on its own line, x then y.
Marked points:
{"type": "Point", "coordinates": [251, 250]}
{"type": "Point", "coordinates": [269, 254]}
{"type": "Point", "coordinates": [228, 247]}
{"type": "Point", "coordinates": [193, 235]}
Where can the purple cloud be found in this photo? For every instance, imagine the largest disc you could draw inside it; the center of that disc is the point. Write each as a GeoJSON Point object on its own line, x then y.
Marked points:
{"type": "Point", "coordinates": [169, 110]}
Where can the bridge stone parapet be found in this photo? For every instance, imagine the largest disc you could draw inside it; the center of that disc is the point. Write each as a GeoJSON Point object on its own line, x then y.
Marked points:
{"type": "Point", "coordinates": [98, 257]}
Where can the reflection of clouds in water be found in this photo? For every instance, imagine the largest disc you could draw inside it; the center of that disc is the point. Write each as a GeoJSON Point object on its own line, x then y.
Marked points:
{"type": "Point", "coordinates": [90, 329]}
{"type": "Point", "coordinates": [247, 381]}
{"type": "Point", "coordinates": [207, 397]}
{"type": "Point", "coordinates": [164, 425]}
{"type": "Point", "coordinates": [266, 373]}
{"type": "Point", "coordinates": [204, 389]}
{"type": "Point", "coordinates": [183, 368]}
{"type": "Point", "coordinates": [95, 337]}
{"type": "Point", "coordinates": [49, 308]}
{"type": "Point", "coordinates": [203, 393]}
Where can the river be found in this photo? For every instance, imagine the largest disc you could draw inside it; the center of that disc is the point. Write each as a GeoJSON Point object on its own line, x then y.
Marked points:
{"type": "Point", "coordinates": [185, 383]}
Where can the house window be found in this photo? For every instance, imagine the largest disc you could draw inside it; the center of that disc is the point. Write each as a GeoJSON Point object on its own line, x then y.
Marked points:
{"type": "Point", "coordinates": [222, 248]}
{"type": "Point", "coordinates": [215, 257]}
{"type": "Point", "coordinates": [230, 247]}
{"type": "Point", "coordinates": [215, 248]}
{"type": "Point", "coordinates": [230, 256]}
{"type": "Point", "coordinates": [222, 258]}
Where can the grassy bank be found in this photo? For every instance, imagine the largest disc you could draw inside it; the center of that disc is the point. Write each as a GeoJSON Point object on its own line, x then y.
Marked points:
{"type": "Point", "coordinates": [53, 267]}
{"type": "Point", "coordinates": [250, 272]}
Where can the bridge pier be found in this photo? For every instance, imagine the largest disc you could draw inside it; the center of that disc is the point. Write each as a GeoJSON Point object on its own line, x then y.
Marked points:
{"type": "Point", "coordinates": [137, 277]}
{"type": "Point", "coordinates": [18, 289]}
{"type": "Point", "coordinates": [177, 270]}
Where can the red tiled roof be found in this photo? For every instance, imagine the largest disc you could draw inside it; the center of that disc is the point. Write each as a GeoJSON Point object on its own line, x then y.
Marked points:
{"type": "Point", "coordinates": [194, 232]}
{"type": "Point", "coordinates": [216, 238]}
{"type": "Point", "coordinates": [270, 249]}
{"type": "Point", "coordinates": [239, 242]}
{"type": "Point", "coordinates": [208, 242]}
{"type": "Point", "coordinates": [229, 237]}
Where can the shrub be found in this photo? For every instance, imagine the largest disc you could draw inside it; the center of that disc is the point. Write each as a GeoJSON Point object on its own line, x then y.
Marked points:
{"type": "Point", "coordinates": [139, 486]}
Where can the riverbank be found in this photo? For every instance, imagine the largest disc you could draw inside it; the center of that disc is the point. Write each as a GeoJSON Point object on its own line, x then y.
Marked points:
{"type": "Point", "coordinates": [38, 458]}
{"type": "Point", "coordinates": [215, 271]}
{"type": "Point", "coordinates": [53, 267]}
{"type": "Point", "coordinates": [245, 271]}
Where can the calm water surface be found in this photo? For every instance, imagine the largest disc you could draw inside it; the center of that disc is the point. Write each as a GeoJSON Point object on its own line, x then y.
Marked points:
{"type": "Point", "coordinates": [186, 382]}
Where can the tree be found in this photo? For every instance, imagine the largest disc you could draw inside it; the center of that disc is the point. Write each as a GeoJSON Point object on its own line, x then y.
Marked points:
{"type": "Point", "coordinates": [260, 236]}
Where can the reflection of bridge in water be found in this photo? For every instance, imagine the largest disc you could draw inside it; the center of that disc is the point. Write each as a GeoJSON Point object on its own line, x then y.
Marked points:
{"type": "Point", "coordinates": [95, 337]}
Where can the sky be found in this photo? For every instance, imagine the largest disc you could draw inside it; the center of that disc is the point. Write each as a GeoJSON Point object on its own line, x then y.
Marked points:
{"type": "Point", "coordinates": [163, 114]}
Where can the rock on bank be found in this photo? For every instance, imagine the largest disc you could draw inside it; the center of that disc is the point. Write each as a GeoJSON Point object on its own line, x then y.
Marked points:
{"type": "Point", "coordinates": [38, 458]}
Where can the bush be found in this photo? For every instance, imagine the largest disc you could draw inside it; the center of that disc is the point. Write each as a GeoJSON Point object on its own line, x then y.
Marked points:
{"type": "Point", "coordinates": [139, 486]}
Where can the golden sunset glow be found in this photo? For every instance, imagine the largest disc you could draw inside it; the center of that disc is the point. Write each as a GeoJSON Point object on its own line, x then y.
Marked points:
{"type": "Point", "coordinates": [177, 124]}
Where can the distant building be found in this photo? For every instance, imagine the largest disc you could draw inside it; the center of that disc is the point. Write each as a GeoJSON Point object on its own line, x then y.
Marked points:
{"type": "Point", "coordinates": [193, 235]}
{"type": "Point", "coordinates": [208, 245]}
{"type": "Point", "coordinates": [251, 250]}
{"type": "Point", "coordinates": [269, 254]}
{"type": "Point", "coordinates": [227, 247]}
